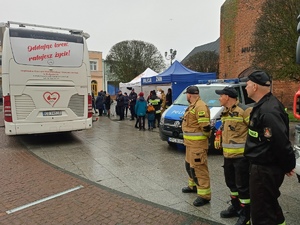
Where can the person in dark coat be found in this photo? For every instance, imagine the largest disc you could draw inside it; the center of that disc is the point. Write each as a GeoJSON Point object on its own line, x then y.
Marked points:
{"type": "Point", "coordinates": [268, 149]}
{"type": "Point", "coordinates": [169, 98]}
{"type": "Point", "coordinates": [100, 102]}
{"type": "Point", "coordinates": [132, 102]}
{"type": "Point", "coordinates": [120, 104]}
{"type": "Point", "coordinates": [107, 103]}
{"type": "Point", "coordinates": [126, 104]}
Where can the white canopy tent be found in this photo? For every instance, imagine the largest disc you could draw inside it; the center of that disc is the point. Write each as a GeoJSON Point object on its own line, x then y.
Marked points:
{"type": "Point", "coordinates": [136, 82]}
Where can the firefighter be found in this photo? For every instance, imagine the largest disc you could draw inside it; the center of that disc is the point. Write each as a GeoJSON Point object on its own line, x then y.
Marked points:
{"type": "Point", "coordinates": [196, 130]}
{"type": "Point", "coordinates": [232, 137]}
{"type": "Point", "coordinates": [268, 149]}
{"type": "Point", "coordinates": [156, 102]}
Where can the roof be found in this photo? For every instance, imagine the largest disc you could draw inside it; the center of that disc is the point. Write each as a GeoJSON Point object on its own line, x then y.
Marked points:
{"type": "Point", "coordinates": [212, 46]}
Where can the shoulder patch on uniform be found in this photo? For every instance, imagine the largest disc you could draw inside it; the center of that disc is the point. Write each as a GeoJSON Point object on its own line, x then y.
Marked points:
{"type": "Point", "coordinates": [201, 113]}
{"type": "Point", "coordinates": [267, 132]}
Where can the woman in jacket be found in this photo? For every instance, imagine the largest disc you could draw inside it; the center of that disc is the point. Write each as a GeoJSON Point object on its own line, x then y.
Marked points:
{"type": "Point", "coordinates": [140, 110]}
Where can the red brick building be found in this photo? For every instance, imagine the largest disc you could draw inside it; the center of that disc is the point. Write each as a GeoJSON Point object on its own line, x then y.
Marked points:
{"type": "Point", "coordinates": [238, 19]}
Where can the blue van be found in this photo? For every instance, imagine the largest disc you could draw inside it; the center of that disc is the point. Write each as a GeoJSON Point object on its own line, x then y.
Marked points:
{"type": "Point", "coordinates": [170, 123]}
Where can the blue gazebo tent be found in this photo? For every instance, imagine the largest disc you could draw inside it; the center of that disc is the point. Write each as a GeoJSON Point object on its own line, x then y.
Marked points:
{"type": "Point", "coordinates": [179, 77]}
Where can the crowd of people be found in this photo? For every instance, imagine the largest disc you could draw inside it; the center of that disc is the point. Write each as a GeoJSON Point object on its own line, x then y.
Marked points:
{"type": "Point", "coordinates": [142, 108]}
{"type": "Point", "coordinates": [101, 103]}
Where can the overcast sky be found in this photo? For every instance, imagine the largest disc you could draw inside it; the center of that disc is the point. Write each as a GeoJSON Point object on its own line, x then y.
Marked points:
{"type": "Point", "coordinates": [177, 24]}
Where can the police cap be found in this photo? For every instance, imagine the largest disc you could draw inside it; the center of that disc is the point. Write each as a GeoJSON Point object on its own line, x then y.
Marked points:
{"type": "Point", "coordinates": [192, 90]}
{"type": "Point", "coordinates": [230, 91]}
{"type": "Point", "coordinates": [259, 77]}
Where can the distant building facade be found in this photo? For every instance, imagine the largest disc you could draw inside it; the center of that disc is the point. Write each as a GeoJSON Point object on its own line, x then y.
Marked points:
{"type": "Point", "coordinates": [238, 19]}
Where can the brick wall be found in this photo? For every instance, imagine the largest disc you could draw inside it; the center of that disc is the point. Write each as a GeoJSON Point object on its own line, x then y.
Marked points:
{"type": "Point", "coordinates": [238, 19]}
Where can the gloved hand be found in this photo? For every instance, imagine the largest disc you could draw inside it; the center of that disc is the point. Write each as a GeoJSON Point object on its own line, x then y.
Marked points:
{"type": "Point", "coordinates": [206, 130]}
{"type": "Point", "coordinates": [217, 142]}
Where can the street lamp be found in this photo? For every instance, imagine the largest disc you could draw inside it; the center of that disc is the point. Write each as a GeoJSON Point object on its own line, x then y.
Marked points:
{"type": "Point", "coordinates": [172, 55]}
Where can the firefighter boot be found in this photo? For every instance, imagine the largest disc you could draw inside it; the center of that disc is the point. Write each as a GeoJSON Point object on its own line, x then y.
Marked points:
{"type": "Point", "coordinates": [233, 209]}
{"type": "Point", "coordinates": [244, 218]}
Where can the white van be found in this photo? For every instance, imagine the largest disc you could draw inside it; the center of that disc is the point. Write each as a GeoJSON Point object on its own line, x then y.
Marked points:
{"type": "Point", "coordinates": [170, 124]}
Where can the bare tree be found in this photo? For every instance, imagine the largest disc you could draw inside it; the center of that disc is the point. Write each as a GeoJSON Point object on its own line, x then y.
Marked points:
{"type": "Point", "coordinates": [127, 59]}
{"type": "Point", "coordinates": [275, 39]}
{"type": "Point", "coordinates": [206, 61]}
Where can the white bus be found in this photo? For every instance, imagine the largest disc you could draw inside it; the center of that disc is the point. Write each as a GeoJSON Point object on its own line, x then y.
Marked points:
{"type": "Point", "coordinates": [46, 79]}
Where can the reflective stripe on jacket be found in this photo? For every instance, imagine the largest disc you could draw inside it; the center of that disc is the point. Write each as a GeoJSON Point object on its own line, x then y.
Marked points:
{"type": "Point", "coordinates": [196, 116]}
{"type": "Point", "coordinates": [235, 122]}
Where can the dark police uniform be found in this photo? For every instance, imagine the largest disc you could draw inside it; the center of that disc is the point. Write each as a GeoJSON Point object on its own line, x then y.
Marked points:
{"type": "Point", "coordinates": [271, 156]}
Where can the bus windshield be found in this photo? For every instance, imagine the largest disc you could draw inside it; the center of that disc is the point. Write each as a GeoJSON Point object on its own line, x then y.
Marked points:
{"type": "Point", "coordinates": [41, 48]}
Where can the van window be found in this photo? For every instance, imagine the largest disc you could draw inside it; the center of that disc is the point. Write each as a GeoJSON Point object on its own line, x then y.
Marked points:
{"type": "Point", "coordinates": [207, 93]}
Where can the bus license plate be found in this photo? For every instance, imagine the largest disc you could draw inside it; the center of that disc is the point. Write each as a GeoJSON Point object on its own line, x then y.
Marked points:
{"type": "Point", "coordinates": [52, 113]}
{"type": "Point", "coordinates": [176, 140]}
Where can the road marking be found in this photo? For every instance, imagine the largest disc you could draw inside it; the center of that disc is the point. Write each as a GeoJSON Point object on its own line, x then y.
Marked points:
{"type": "Point", "coordinates": [43, 200]}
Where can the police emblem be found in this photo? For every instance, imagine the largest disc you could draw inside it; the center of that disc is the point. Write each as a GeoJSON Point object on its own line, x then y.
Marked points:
{"type": "Point", "coordinates": [267, 132]}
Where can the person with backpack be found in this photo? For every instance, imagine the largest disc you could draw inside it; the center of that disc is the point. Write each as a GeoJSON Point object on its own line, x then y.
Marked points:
{"type": "Point", "coordinates": [150, 116]}
{"type": "Point", "coordinates": [140, 110]}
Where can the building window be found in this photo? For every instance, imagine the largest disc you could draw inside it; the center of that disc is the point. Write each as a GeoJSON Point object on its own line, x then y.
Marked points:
{"type": "Point", "coordinates": [0, 60]}
{"type": "Point", "coordinates": [93, 65]}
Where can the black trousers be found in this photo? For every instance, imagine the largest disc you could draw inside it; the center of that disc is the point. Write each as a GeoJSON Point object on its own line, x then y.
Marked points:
{"type": "Point", "coordinates": [132, 111]}
{"type": "Point", "coordinates": [141, 120]}
{"type": "Point", "coordinates": [120, 110]}
{"type": "Point", "coordinates": [157, 118]}
{"type": "Point", "coordinates": [265, 182]}
{"type": "Point", "coordinates": [236, 172]}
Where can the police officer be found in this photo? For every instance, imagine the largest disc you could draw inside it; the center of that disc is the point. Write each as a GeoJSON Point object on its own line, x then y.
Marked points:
{"type": "Point", "coordinates": [268, 149]}
{"type": "Point", "coordinates": [232, 136]}
{"type": "Point", "coordinates": [196, 130]}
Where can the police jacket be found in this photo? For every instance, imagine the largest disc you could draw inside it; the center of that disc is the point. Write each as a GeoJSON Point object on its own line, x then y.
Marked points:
{"type": "Point", "coordinates": [268, 135]}
{"type": "Point", "coordinates": [234, 128]}
{"type": "Point", "coordinates": [156, 102]}
{"type": "Point", "coordinates": [196, 124]}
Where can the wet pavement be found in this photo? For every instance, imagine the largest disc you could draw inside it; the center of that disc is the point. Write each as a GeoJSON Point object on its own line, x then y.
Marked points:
{"type": "Point", "coordinates": [114, 174]}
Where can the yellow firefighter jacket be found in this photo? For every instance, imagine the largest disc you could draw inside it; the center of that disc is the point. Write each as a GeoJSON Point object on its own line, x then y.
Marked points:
{"type": "Point", "coordinates": [196, 116]}
{"type": "Point", "coordinates": [234, 127]}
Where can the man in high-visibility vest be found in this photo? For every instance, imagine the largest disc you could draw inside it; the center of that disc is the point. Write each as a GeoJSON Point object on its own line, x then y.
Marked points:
{"type": "Point", "coordinates": [196, 130]}
{"type": "Point", "coordinates": [232, 137]}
